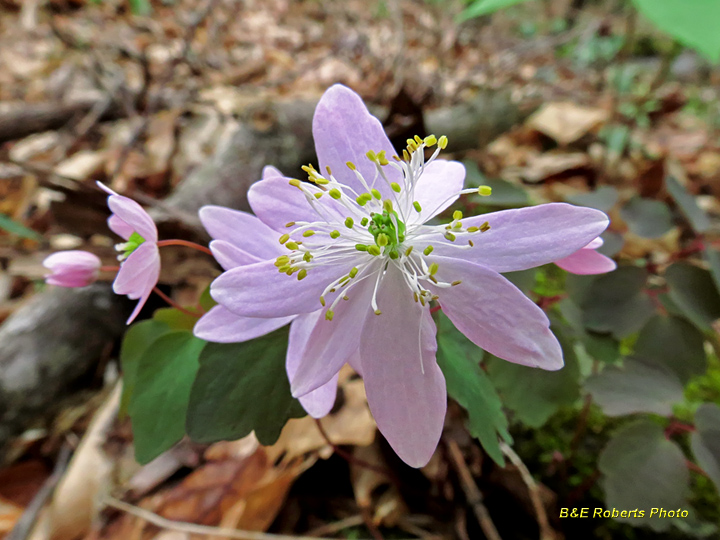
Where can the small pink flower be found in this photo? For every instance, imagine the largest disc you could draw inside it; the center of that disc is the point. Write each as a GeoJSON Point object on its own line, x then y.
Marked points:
{"type": "Point", "coordinates": [139, 256]}
{"type": "Point", "coordinates": [72, 268]}
{"type": "Point", "coordinates": [587, 261]}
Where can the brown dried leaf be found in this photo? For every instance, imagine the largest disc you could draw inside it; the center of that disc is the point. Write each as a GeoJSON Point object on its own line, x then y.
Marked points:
{"type": "Point", "coordinates": [566, 122]}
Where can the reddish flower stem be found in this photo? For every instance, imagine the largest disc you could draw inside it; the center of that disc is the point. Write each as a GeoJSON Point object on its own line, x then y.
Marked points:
{"type": "Point", "coordinates": [693, 467]}
{"type": "Point", "coordinates": [171, 302]}
{"type": "Point", "coordinates": [109, 268]}
{"type": "Point", "coordinates": [185, 243]}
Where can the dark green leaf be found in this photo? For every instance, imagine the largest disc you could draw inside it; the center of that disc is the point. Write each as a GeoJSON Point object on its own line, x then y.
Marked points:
{"type": "Point", "coordinates": [602, 348]}
{"type": "Point", "coordinates": [693, 23]}
{"type": "Point", "coordinates": [697, 217]}
{"type": "Point", "coordinates": [647, 218]}
{"type": "Point", "coordinates": [484, 7]}
{"type": "Point", "coordinates": [175, 319]}
{"type": "Point", "coordinates": [693, 291]}
{"type": "Point", "coordinates": [674, 343]}
{"type": "Point", "coordinates": [469, 386]}
{"type": "Point", "coordinates": [140, 7]}
{"type": "Point", "coordinates": [522, 279]}
{"type": "Point", "coordinates": [535, 394]}
{"type": "Point", "coordinates": [612, 243]}
{"type": "Point", "coordinates": [13, 227]}
{"type": "Point", "coordinates": [635, 387]}
{"type": "Point", "coordinates": [712, 256]}
{"type": "Point", "coordinates": [159, 401]}
{"type": "Point", "coordinates": [705, 441]}
{"type": "Point", "coordinates": [503, 192]}
{"type": "Point", "coordinates": [642, 469]}
{"type": "Point", "coordinates": [206, 301]}
{"type": "Point", "coordinates": [242, 387]}
{"type": "Point", "coordinates": [136, 341]}
{"type": "Point", "coordinates": [603, 198]}
{"type": "Point", "coordinates": [615, 302]}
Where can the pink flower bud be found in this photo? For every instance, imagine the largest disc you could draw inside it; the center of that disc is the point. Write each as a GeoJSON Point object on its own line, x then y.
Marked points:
{"type": "Point", "coordinates": [72, 268]}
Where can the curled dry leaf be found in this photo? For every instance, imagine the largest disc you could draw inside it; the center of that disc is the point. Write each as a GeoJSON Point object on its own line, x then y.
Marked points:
{"type": "Point", "coordinates": [566, 122]}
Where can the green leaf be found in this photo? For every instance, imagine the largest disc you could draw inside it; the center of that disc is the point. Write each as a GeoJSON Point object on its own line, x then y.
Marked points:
{"type": "Point", "coordinates": [696, 216]}
{"type": "Point", "coordinates": [459, 360]}
{"type": "Point", "coordinates": [615, 302]}
{"type": "Point", "coordinates": [642, 469]}
{"type": "Point", "coordinates": [140, 7]}
{"type": "Point", "coordinates": [647, 218]}
{"type": "Point", "coordinates": [484, 7]}
{"type": "Point", "coordinates": [602, 348]}
{"type": "Point", "coordinates": [242, 387]}
{"type": "Point", "coordinates": [136, 341]}
{"type": "Point", "coordinates": [635, 387]}
{"type": "Point", "coordinates": [535, 394]}
{"type": "Point", "coordinates": [674, 343]}
{"type": "Point", "coordinates": [705, 441]}
{"type": "Point", "coordinates": [175, 319]}
{"type": "Point", "coordinates": [503, 192]}
{"type": "Point", "coordinates": [159, 401]}
{"type": "Point", "coordinates": [13, 227]}
{"type": "Point", "coordinates": [206, 301]}
{"type": "Point", "coordinates": [692, 22]}
{"type": "Point", "coordinates": [693, 291]}
{"type": "Point", "coordinates": [603, 198]}
{"type": "Point", "coordinates": [712, 257]}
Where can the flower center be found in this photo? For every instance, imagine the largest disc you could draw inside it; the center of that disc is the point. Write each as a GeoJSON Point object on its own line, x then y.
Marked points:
{"type": "Point", "coordinates": [387, 230]}
{"type": "Point", "coordinates": [125, 249]}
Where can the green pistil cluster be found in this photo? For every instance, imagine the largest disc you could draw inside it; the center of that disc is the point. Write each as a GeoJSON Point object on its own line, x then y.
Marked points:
{"type": "Point", "coordinates": [132, 243]}
{"type": "Point", "coordinates": [388, 231]}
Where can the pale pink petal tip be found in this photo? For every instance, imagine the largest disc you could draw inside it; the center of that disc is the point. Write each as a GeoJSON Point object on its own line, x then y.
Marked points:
{"type": "Point", "coordinates": [587, 261]}
{"type": "Point", "coordinates": [72, 268]}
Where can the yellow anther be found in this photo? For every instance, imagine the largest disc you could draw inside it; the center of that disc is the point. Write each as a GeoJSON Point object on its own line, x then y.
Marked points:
{"type": "Point", "coordinates": [290, 271]}
{"type": "Point", "coordinates": [417, 207]}
{"type": "Point", "coordinates": [327, 168]}
{"type": "Point", "coordinates": [422, 301]}
{"type": "Point", "coordinates": [321, 181]}
{"type": "Point", "coordinates": [289, 224]}
{"type": "Point", "coordinates": [346, 297]}
{"type": "Point", "coordinates": [458, 225]}
{"type": "Point", "coordinates": [457, 214]}
{"type": "Point", "coordinates": [363, 199]}
{"type": "Point", "coordinates": [470, 243]}
{"type": "Point", "coordinates": [450, 236]}
{"type": "Point", "coordinates": [307, 256]}
{"type": "Point", "coordinates": [433, 269]}
{"type": "Point", "coordinates": [351, 165]}
{"type": "Point", "coordinates": [430, 140]}
{"type": "Point", "coordinates": [376, 194]}
{"type": "Point", "coordinates": [371, 156]}
{"type": "Point", "coordinates": [428, 250]}
{"type": "Point", "coordinates": [458, 282]}
{"type": "Point", "coordinates": [394, 255]}
{"type": "Point", "coordinates": [301, 274]}
{"type": "Point", "coordinates": [291, 245]}
{"type": "Point", "coordinates": [408, 251]}
{"type": "Point", "coordinates": [335, 193]}
{"type": "Point", "coordinates": [485, 191]}
{"type": "Point", "coordinates": [473, 229]}
{"type": "Point", "coordinates": [353, 272]}
{"type": "Point", "coordinates": [382, 160]}
{"type": "Point", "coordinates": [283, 269]}
{"type": "Point", "coordinates": [397, 158]}
{"type": "Point", "coordinates": [349, 222]}
{"type": "Point", "coordinates": [295, 182]}
{"type": "Point", "coordinates": [284, 238]}
{"type": "Point", "coordinates": [319, 194]}
{"type": "Point", "coordinates": [382, 240]}
{"type": "Point", "coordinates": [406, 155]}
{"type": "Point", "coordinates": [361, 247]}
{"type": "Point", "coordinates": [322, 301]}
{"type": "Point", "coordinates": [373, 250]}
{"type": "Point", "coordinates": [442, 142]}
{"type": "Point", "coordinates": [344, 280]}
{"type": "Point", "coordinates": [434, 297]}
{"type": "Point", "coordinates": [485, 227]}
{"type": "Point", "coordinates": [432, 278]}
{"type": "Point", "coordinates": [364, 221]}
{"type": "Point", "coordinates": [412, 145]}
{"type": "Point", "coordinates": [329, 315]}
{"type": "Point", "coordinates": [308, 233]}
{"type": "Point", "coordinates": [378, 312]}
{"type": "Point", "coordinates": [418, 140]}
{"type": "Point", "coordinates": [334, 234]}
{"type": "Point", "coordinates": [388, 205]}
{"type": "Point", "coordinates": [415, 296]}
{"type": "Point", "coordinates": [395, 187]}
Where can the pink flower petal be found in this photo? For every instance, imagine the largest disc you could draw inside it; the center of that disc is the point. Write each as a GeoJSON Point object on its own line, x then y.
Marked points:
{"type": "Point", "coordinates": [138, 275]}
{"type": "Point", "coordinates": [587, 261]}
{"type": "Point", "coordinates": [320, 401]}
{"type": "Point", "coordinates": [526, 237]}
{"type": "Point", "coordinates": [229, 256]}
{"type": "Point", "coordinates": [119, 227]}
{"type": "Point", "coordinates": [404, 385]}
{"type": "Point", "coordinates": [331, 343]}
{"type": "Point", "coordinates": [344, 131]}
{"type": "Point", "coordinates": [437, 188]}
{"type": "Point", "coordinates": [276, 203]}
{"type": "Point", "coordinates": [241, 229]}
{"type": "Point", "coordinates": [271, 172]}
{"type": "Point", "coordinates": [259, 290]}
{"type": "Point", "coordinates": [72, 268]}
{"type": "Point", "coordinates": [222, 326]}
{"type": "Point", "coordinates": [598, 242]}
{"type": "Point", "coordinates": [496, 316]}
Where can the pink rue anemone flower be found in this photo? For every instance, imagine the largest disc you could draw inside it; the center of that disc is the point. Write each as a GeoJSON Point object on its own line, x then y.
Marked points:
{"type": "Point", "coordinates": [361, 265]}
{"type": "Point", "coordinates": [587, 261]}
{"type": "Point", "coordinates": [139, 255]}
{"type": "Point", "coordinates": [232, 250]}
{"type": "Point", "coordinates": [72, 268]}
